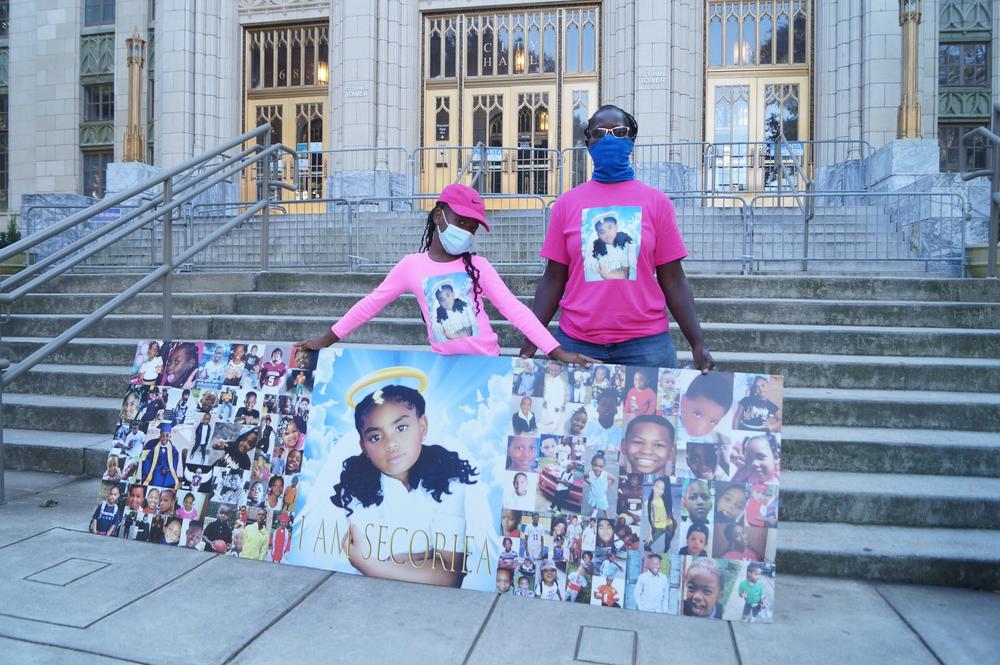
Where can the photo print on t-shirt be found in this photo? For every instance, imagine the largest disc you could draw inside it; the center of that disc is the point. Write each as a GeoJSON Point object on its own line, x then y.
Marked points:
{"type": "Point", "coordinates": [451, 306]}
{"type": "Point", "coordinates": [611, 238]}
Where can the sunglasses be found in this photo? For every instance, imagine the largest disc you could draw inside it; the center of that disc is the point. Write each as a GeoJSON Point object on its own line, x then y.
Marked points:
{"type": "Point", "coordinates": [619, 132]}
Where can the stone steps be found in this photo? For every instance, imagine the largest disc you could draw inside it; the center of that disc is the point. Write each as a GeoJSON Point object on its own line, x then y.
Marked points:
{"type": "Point", "coordinates": [741, 337]}
{"type": "Point", "coordinates": [99, 362]}
{"type": "Point", "coordinates": [890, 448]}
{"type": "Point", "coordinates": [890, 499]}
{"type": "Point", "coordinates": [911, 555]}
{"type": "Point", "coordinates": [912, 313]}
{"type": "Point", "coordinates": [799, 286]}
{"type": "Point", "coordinates": [887, 451]}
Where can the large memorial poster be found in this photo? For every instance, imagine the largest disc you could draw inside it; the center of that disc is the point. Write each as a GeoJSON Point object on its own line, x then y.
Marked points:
{"type": "Point", "coordinates": [632, 487]}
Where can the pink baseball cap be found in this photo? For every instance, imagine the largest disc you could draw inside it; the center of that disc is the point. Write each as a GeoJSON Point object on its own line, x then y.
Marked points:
{"type": "Point", "coordinates": [464, 201]}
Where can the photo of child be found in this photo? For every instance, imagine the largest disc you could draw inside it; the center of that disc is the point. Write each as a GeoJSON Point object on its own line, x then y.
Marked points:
{"type": "Point", "coordinates": [705, 587]}
{"type": "Point", "coordinates": [147, 367]}
{"type": "Point", "coordinates": [611, 239]}
{"type": "Point", "coordinates": [401, 481]}
{"type": "Point", "coordinates": [754, 410]}
{"type": "Point", "coordinates": [730, 503]}
{"type": "Point", "coordinates": [455, 313]}
{"type": "Point", "coordinates": [649, 446]}
{"type": "Point", "coordinates": [703, 407]}
{"type": "Point", "coordinates": [605, 430]}
{"type": "Point", "coordinates": [528, 377]}
{"type": "Point", "coordinates": [212, 371]}
{"type": "Point", "coordinates": [641, 397]}
{"type": "Point", "coordinates": [754, 595]}
{"type": "Point", "coordinates": [600, 481]}
{"type": "Point", "coordinates": [519, 490]}
{"type": "Point", "coordinates": [758, 459]}
{"type": "Point", "coordinates": [554, 399]}
{"type": "Point", "coordinates": [659, 523]}
{"type": "Point", "coordinates": [762, 508]}
{"type": "Point", "coordinates": [181, 364]}
{"type": "Point", "coordinates": [523, 421]}
{"type": "Point", "coordinates": [697, 511]}
{"type": "Point", "coordinates": [578, 580]}
{"type": "Point", "coordinates": [667, 398]}
{"type": "Point", "coordinates": [522, 453]}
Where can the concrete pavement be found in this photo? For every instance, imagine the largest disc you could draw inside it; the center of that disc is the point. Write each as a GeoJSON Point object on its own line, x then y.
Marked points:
{"type": "Point", "coordinates": [69, 597]}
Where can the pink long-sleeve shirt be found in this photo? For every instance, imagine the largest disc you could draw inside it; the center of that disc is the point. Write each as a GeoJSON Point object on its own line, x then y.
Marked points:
{"type": "Point", "coordinates": [444, 292]}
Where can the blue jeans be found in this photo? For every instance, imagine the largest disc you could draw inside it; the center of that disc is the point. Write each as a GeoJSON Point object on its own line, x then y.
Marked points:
{"type": "Point", "coordinates": [653, 351]}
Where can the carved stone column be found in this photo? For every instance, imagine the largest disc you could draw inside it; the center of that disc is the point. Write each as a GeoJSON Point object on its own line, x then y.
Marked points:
{"type": "Point", "coordinates": [908, 119]}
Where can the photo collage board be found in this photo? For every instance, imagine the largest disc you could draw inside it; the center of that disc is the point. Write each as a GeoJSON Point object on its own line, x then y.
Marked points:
{"type": "Point", "coordinates": [618, 486]}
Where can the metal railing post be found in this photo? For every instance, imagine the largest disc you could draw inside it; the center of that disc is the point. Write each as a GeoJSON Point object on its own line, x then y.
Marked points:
{"type": "Point", "coordinates": [4, 364]}
{"type": "Point", "coordinates": [168, 251]}
{"type": "Point", "coordinates": [265, 218]}
{"type": "Point", "coordinates": [994, 234]}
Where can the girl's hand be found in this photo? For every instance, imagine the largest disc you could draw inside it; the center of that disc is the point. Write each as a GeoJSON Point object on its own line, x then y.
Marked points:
{"type": "Point", "coordinates": [570, 357]}
{"type": "Point", "coordinates": [527, 349]}
{"type": "Point", "coordinates": [316, 343]}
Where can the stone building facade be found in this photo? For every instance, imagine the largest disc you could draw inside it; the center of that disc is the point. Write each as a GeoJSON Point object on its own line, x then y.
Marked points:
{"type": "Point", "coordinates": [516, 75]}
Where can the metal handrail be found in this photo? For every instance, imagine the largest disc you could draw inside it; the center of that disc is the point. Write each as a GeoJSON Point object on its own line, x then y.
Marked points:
{"type": "Point", "coordinates": [71, 221]}
{"type": "Point", "coordinates": [993, 173]}
{"type": "Point", "coordinates": [158, 207]}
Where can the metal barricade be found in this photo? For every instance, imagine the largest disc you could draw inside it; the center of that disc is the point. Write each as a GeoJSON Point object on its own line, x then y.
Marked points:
{"type": "Point", "coordinates": [861, 232]}
{"type": "Point", "coordinates": [387, 228]}
{"type": "Point", "coordinates": [717, 229]}
{"type": "Point", "coordinates": [521, 171]}
{"type": "Point", "coordinates": [308, 233]}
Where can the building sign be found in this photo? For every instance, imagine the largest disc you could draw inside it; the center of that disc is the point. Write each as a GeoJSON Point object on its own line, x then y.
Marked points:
{"type": "Point", "coordinates": [629, 487]}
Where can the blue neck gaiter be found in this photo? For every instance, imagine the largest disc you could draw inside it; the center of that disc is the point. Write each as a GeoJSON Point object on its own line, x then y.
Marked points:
{"type": "Point", "coordinates": [611, 159]}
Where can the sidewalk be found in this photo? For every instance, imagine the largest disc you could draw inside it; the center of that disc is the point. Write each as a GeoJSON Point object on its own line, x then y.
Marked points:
{"type": "Point", "coordinates": [69, 597]}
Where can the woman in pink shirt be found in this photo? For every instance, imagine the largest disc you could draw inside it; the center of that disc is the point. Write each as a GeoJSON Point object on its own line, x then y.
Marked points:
{"type": "Point", "coordinates": [449, 280]}
{"type": "Point", "coordinates": [614, 261]}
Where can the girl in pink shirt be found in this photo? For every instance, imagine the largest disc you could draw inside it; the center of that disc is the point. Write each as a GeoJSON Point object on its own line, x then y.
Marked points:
{"type": "Point", "coordinates": [614, 261]}
{"type": "Point", "coordinates": [449, 281]}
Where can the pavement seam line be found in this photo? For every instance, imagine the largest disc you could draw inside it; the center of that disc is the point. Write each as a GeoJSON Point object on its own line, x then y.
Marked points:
{"type": "Point", "coordinates": [298, 601]}
{"type": "Point", "coordinates": [482, 628]}
{"type": "Point", "coordinates": [908, 624]}
{"type": "Point", "coordinates": [736, 646]}
{"type": "Point", "coordinates": [150, 592]}
{"type": "Point", "coordinates": [76, 649]}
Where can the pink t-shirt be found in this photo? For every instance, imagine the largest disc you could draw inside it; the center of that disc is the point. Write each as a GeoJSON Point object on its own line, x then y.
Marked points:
{"type": "Point", "coordinates": [444, 292]}
{"type": "Point", "coordinates": [613, 236]}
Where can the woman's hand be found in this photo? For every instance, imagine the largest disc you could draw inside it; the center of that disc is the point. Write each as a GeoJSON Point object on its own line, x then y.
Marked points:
{"type": "Point", "coordinates": [702, 359]}
{"type": "Point", "coordinates": [571, 357]}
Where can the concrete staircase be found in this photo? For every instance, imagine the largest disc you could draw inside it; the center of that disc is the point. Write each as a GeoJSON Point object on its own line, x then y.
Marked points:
{"type": "Point", "coordinates": [892, 428]}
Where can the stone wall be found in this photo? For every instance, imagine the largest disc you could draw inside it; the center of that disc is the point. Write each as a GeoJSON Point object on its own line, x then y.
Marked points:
{"type": "Point", "coordinates": [44, 94]}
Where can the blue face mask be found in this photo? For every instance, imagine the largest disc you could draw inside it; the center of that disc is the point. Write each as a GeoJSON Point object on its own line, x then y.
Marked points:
{"type": "Point", "coordinates": [611, 159]}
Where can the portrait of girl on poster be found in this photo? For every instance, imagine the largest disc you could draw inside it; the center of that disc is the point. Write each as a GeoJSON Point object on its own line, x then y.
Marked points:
{"type": "Point", "coordinates": [405, 498]}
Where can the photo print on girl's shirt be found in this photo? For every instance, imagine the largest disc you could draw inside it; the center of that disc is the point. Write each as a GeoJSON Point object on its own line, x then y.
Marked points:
{"type": "Point", "coordinates": [451, 306]}
{"type": "Point", "coordinates": [610, 242]}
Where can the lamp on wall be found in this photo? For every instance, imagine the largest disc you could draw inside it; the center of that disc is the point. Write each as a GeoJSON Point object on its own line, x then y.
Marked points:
{"type": "Point", "coordinates": [543, 121]}
{"type": "Point", "coordinates": [909, 9]}
{"type": "Point", "coordinates": [323, 73]}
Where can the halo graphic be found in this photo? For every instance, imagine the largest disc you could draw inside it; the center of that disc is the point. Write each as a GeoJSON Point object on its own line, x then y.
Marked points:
{"type": "Point", "coordinates": [385, 374]}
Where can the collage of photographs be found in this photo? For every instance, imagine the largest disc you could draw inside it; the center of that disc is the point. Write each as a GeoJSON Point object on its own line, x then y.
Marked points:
{"type": "Point", "coordinates": [643, 488]}
{"type": "Point", "coordinates": [208, 448]}
{"type": "Point", "coordinates": [617, 486]}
